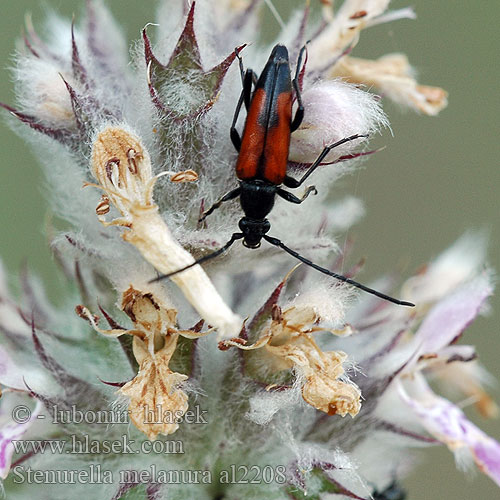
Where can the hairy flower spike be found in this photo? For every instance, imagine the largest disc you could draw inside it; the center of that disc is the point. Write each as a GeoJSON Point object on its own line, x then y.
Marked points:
{"type": "Point", "coordinates": [268, 401]}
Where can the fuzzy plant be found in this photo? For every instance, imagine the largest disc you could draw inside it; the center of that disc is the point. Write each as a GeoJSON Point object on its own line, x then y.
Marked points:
{"type": "Point", "coordinates": [251, 377]}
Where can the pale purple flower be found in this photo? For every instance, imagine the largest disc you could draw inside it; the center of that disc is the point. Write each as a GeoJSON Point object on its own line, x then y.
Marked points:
{"type": "Point", "coordinates": [442, 327]}
{"type": "Point", "coordinates": [13, 430]}
{"type": "Point", "coordinates": [448, 423]}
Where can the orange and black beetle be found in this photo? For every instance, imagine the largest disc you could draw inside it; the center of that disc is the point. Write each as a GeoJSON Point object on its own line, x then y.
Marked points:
{"type": "Point", "coordinates": [263, 157]}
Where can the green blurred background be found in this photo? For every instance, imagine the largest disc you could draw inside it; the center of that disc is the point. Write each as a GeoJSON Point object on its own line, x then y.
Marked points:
{"type": "Point", "coordinates": [437, 178]}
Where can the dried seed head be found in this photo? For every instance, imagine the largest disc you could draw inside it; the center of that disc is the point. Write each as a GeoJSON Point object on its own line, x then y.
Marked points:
{"type": "Point", "coordinates": [291, 343]}
{"type": "Point", "coordinates": [123, 168]}
{"type": "Point", "coordinates": [288, 344]}
{"type": "Point", "coordinates": [326, 392]}
{"type": "Point", "coordinates": [156, 387]}
{"type": "Point", "coordinates": [343, 29]}
{"type": "Point", "coordinates": [147, 312]}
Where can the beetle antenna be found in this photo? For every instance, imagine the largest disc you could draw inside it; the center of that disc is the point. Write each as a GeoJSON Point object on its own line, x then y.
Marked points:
{"type": "Point", "coordinates": [234, 237]}
{"type": "Point", "coordinates": [278, 243]}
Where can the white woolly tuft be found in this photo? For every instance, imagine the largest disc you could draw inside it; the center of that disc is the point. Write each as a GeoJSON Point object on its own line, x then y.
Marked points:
{"type": "Point", "coordinates": [41, 91]}
{"type": "Point", "coordinates": [265, 405]}
{"type": "Point", "coordinates": [327, 298]}
{"type": "Point", "coordinates": [335, 110]}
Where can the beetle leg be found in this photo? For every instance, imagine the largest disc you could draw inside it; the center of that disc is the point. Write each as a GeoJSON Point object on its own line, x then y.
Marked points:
{"type": "Point", "coordinates": [228, 196]}
{"type": "Point", "coordinates": [240, 63]}
{"type": "Point", "coordinates": [289, 180]}
{"type": "Point", "coordinates": [276, 242]}
{"type": "Point", "coordinates": [299, 114]}
{"type": "Point", "coordinates": [294, 199]}
{"type": "Point", "coordinates": [242, 70]}
{"type": "Point", "coordinates": [234, 237]}
{"type": "Point", "coordinates": [250, 80]}
{"type": "Point", "coordinates": [234, 134]}
{"type": "Point", "coordinates": [245, 96]}
{"type": "Point", "coordinates": [249, 74]}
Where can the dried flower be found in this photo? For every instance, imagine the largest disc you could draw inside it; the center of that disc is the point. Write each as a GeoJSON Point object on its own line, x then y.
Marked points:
{"type": "Point", "coordinates": [270, 393]}
{"type": "Point", "coordinates": [391, 74]}
{"type": "Point", "coordinates": [288, 344]}
{"type": "Point", "coordinates": [154, 342]}
{"type": "Point", "coordinates": [123, 168]}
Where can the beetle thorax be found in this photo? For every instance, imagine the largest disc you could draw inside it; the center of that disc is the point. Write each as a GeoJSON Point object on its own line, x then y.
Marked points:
{"type": "Point", "coordinates": [257, 198]}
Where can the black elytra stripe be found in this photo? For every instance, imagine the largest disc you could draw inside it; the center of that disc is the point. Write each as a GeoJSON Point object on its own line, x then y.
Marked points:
{"type": "Point", "coordinates": [275, 79]}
